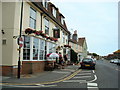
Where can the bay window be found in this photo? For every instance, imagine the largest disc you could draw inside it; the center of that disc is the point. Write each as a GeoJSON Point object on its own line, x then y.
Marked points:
{"type": "Point", "coordinates": [33, 48]}
{"type": "Point", "coordinates": [26, 48]}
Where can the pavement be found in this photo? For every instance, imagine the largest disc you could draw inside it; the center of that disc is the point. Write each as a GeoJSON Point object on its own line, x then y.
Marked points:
{"type": "Point", "coordinates": [45, 77]}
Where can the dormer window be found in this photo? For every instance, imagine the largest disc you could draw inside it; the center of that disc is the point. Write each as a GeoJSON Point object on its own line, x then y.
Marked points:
{"type": "Point", "coordinates": [54, 12]}
{"type": "Point", "coordinates": [62, 20]}
{"type": "Point", "coordinates": [45, 4]}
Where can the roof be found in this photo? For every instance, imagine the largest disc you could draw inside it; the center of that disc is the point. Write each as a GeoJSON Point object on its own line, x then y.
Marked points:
{"type": "Point", "coordinates": [118, 51]}
{"type": "Point", "coordinates": [81, 41]}
{"type": "Point", "coordinates": [73, 41]}
{"type": "Point", "coordinates": [50, 15]}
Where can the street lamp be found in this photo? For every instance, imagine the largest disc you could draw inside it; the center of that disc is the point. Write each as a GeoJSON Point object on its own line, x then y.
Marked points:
{"type": "Point", "coordinates": [19, 63]}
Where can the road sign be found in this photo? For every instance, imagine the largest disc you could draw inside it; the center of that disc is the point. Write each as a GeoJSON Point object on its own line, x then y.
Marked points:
{"type": "Point", "coordinates": [20, 42]}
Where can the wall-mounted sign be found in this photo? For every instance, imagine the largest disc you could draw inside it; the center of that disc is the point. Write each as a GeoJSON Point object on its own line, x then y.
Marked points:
{"type": "Point", "coordinates": [56, 33]}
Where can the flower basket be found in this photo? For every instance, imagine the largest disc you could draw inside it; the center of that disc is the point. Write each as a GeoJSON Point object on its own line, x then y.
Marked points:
{"type": "Point", "coordinates": [47, 37]}
{"type": "Point", "coordinates": [29, 31]}
{"type": "Point", "coordinates": [67, 46]}
{"type": "Point", "coordinates": [55, 39]}
{"type": "Point", "coordinates": [38, 33]}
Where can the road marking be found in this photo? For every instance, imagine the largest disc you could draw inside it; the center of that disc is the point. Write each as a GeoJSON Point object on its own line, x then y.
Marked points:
{"type": "Point", "coordinates": [60, 72]}
{"type": "Point", "coordinates": [82, 77]}
{"type": "Point", "coordinates": [93, 79]}
{"type": "Point", "coordinates": [92, 84]}
{"type": "Point", "coordinates": [30, 86]}
{"type": "Point", "coordinates": [93, 88]}
{"type": "Point", "coordinates": [93, 71]}
{"type": "Point", "coordinates": [84, 74]}
{"type": "Point", "coordinates": [86, 71]}
{"type": "Point", "coordinates": [75, 81]}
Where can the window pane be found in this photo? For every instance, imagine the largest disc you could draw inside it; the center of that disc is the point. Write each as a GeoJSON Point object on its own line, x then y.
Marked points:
{"type": "Point", "coordinates": [32, 23]}
{"type": "Point", "coordinates": [26, 42]}
{"type": "Point", "coordinates": [35, 54]}
{"type": "Point", "coordinates": [35, 48]}
{"type": "Point", "coordinates": [46, 26]}
{"type": "Point", "coordinates": [32, 13]}
{"type": "Point", "coordinates": [26, 54]}
{"type": "Point", "coordinates": [41, 54]}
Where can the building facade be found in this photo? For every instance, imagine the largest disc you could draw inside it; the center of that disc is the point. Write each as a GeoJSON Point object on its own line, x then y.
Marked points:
{"type": "Point", "coordinates": [82, 42]}
{"type": "Point", "coordinates": [43, 31]}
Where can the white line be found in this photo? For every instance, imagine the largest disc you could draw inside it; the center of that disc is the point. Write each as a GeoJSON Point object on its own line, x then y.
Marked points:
{"type": "Point", "coordinates": [84, 74]}
{"type": "Point", "coordinates": [83, 77]}
{"type": "Point", "coordinates": [93, 71]}
{"type": "Point", "coordinates": [92, 84]}
{"type": "Point", "coordinates": [93, 87]}
{"type": "Point", "coordinates": [30, 86]}
{"type": "Point", "coordinates": [60, 72]}
{"type": "Point", "coordinates": [86, 71]}
{"type": "Point", "coordinates": [75, 81]}
{"type": "Point", "coordinates": [93, 79]}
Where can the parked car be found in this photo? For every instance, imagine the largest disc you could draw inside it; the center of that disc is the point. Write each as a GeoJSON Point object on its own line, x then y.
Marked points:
{"type": "Point", "coordinates": [111, 61]}
{"type": "Point", "coordinates": [118, 62]}
{"type": "Point", "coordinates": [88, 63]}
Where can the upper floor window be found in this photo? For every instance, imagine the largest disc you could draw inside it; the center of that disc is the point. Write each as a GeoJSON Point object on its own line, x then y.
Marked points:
{"type": "Point", "coordinates": [45, 4]}
{"type": "Point", "coordinates": [54, 12]}
{"type": "Point", "coordinates": [63, 37]}
{"type": "Point", "coordinates": [32, 22]}
{"type": "Point", "coordinates": [62, 20]}
{"type": "Point", "coordinates": [46, 26]}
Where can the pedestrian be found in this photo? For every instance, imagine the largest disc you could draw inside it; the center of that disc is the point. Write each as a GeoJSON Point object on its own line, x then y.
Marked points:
{"type": "Point", "coordinates": [65, 58]}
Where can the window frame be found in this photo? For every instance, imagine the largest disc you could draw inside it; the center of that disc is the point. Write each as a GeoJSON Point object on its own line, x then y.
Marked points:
{"type": "Point", "coordinates": [32, 18]}
{"type": "Point", "coordinates": [46, 22]}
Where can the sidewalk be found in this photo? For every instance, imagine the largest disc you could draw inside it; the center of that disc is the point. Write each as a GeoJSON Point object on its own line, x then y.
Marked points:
{"type": "Point", "coordinates": [45, 76]}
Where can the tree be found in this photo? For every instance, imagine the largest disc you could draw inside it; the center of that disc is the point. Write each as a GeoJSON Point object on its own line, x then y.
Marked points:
{"type": "Point", "coordinates": [73, 56]}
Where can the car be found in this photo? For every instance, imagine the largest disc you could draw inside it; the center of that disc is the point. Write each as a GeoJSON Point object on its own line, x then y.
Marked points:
{"type": "Point", "coordinates": [88, 63]}
{"type": "Point", "coordinates": [116, 61]}
{"type": "Point", "coordinates": [111, 61]}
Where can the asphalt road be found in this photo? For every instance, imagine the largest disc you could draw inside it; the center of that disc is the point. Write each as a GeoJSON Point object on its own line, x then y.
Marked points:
{"type": "Point", "coordinates": [105, 76]}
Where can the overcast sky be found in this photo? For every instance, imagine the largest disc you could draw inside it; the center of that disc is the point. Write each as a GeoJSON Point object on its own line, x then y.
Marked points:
{"type": "Point", "coordinates": [97, 21]}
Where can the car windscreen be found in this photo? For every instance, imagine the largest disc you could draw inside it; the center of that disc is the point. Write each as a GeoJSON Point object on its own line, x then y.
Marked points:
{"type": "Point", "coordinates": [87, 60]}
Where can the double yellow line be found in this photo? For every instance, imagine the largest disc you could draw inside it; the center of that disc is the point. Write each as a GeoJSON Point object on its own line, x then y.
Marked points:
{"type": "Point", "coordinates": [49, 82]}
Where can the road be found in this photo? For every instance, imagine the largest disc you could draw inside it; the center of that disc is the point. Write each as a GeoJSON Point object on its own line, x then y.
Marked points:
{"type": "Point", "coordinates": [103, 77]}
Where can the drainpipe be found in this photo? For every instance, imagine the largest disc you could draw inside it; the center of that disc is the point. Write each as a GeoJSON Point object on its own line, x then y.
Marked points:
{"type": "Point", "coordinates": [41, 20]}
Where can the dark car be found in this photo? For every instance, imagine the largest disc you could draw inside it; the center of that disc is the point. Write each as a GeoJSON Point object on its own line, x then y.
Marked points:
{"type": "Point", "coordinates": [88, 63]}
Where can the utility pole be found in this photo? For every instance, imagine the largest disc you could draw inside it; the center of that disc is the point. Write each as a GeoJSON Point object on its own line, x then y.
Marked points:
{"type": "Point", "coordinates": [19, 63]}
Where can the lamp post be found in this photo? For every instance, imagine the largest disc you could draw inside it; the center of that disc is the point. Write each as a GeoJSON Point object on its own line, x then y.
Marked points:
{"type": "Point", "coordinates": [19, 63]}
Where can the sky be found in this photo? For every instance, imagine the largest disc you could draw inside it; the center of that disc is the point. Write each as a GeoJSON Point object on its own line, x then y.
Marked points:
{"type": "Point", "coordinates": [97, 21]}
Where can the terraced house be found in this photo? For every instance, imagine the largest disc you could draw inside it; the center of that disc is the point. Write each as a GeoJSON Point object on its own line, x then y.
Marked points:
{"type": "Point", "coordinates": [43, 29]}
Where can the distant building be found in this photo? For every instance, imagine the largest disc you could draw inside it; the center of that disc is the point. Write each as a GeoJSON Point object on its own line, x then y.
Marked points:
{"type": "Point", "coordinates": [82, 42]}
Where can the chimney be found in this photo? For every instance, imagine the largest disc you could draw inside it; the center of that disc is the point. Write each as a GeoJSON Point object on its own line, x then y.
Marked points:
{"type": "Point", "coordinates": [74, 37]}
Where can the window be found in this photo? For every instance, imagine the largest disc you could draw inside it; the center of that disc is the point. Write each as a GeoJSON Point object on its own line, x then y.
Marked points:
{"type": "Point", "coordinates": [32, 23]}
{"type": "Point", "coordinates": [62, 20]}
{"type": "Point", "coordinates": [50, 47]}
{"type": "Point", "coordinates": [42, 50]}
{"type": "Point", "coordinates": [33, 51]}
{"type": "Point", "coordinates": [35, 48]}
{"type": "Point", "coordinates": [45, 4]}
{"type": "Point", "coordinates": [46, 26]}
{"type": "Point", "coordinates": [54, 12]}
{"type": "Point", "coordinates": [26, 48]}
{"type": "Point", "coordinates": [63, 37]}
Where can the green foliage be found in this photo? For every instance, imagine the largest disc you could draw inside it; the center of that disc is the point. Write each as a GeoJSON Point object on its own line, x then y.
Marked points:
{"type": "Point", "coordinates": [73, 56]}
{"type": "Point", "coordinates": [94, 54]}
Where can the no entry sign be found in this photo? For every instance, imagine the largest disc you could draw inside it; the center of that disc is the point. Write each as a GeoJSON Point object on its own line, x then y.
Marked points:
{"type": "Point", "coordinates": [20, 41]}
